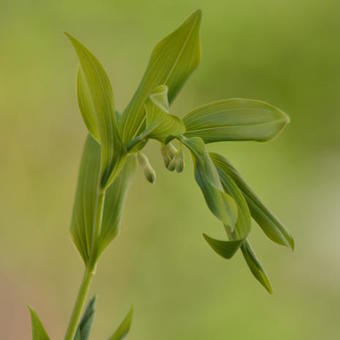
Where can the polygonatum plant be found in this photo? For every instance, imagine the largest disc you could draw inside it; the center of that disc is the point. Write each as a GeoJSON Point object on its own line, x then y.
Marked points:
{"type": "Point", "coordinates": [114, 146]}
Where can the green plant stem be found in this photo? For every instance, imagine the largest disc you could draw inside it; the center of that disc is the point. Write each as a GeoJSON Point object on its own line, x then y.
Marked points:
{"type": "Point", "coordinates": [79, 304]}
{"type": "Point", "coordinates": [89, 271]}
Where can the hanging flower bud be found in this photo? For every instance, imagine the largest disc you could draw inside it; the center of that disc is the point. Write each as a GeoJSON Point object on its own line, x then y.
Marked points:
{"type": "Point", "coordinates": [148, 170]}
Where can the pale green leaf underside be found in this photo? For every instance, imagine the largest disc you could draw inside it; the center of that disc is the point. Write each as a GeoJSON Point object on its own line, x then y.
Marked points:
{"type": "Point", "coordinates": [84, 328]}
{"type": "Point", "coordinates": [235, 120]}
{"type": "Point", "coordinates": [123, 328]}
{"type": "Point", "coordinates": [38, 330]}
{"type": "Point", "coordinates": [172, 61]}
{"type": "Point", "coordinates": [221, 204]}
{"type": "Point", "coordinates": [96, 102]}
{"type": "Point", "coordinates": [82, 223]}
{"type": "Point", "coordinates": [270, 225]}
{"type": "Point", "coordinates": [255, 266]}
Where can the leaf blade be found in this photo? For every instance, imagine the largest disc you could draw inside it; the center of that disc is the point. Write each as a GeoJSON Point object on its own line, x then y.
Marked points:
{"type": "Point", "coordinates": [124, 328]}
{"type": "Point", "coordinates": [172, 61]}
{"type": "Point", "coordinates": [235, 120]}
{"type": "Point", "coordinates": [84, 327]}
{"type": "Point", "coordinates": [38, 330]}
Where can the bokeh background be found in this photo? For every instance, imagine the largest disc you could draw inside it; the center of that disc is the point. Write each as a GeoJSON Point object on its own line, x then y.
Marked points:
{"type": "Point", "coordinates": [285, 52]}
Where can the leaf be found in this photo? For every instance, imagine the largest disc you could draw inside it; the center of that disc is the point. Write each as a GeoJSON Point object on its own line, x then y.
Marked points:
{"type": "Point", "coordinates": [159, 123]}
{"type": "Point", "coordinates": [38, 330]}
{"type": "Point", "coordinates": [123, 328]}
{"type": "Point", "coordinates": [114, 204]}
{"type": "Point", "coordinates": [220, 203]}
{"type": "Point", "coordinates": [96, 102]}
{"type": "Point", "coordinates": [235, 120]}
{"type": "Point", "coordinates": [243, 225]}
{"type": "Point", "coordinates": [82, 223]}
{"type": "Point", "coordinates": [255, 266]}
{"type": "Point", "coordinates": [172, 61]}
{"type": "Point", "coordinates": [271, 226]}
{"type": "Point", "coordinates": [84, 328]}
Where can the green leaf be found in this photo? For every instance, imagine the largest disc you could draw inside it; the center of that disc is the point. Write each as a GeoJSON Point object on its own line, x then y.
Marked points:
{"type": "Point", "coordinates": [114, 204]}
{"type": "Point", "coordinates": [221, 204]}
{"type": "Point", "coordinates": [243, 225]}
{"type": "Point", "coordinates": [226, 249]}
{"type": "Point", "coordinates": [235, 120]}
{"type": "Point", "coordinates": [84, 328]}
{"type": "Point", "coordinates": [255, 266]}
{"type": "Point", "coordinates": [123, 328]}
{"type": "Point", "coordinates": [38, 330]}
{"type": "Point", "coordinates": [270, 225]}
{"type": "Point", "coordinates": [82, 223]}
{"type": "Point", "coordinates": [96, 103]}
{"type": "Point", "coordinates": [172, 62]}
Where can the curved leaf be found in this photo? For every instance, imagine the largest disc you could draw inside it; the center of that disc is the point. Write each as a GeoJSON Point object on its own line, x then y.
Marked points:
{"type": "Point", "coordinates": [95, 99]}
{"type": "Point", "coordinates": [255, 266]}
{"type": "Point", "coordinates": [38, 330]}
{"type": "Point", "coordinates": [123, 328]}
{"type": "Point", "coordinates": [172, 61]}
{"type": "Point", "coordinates": [226, 249]}
{"type": "Point", "coordinates": [235, 120]}
{"type": "Point", "coordinates": [270, 225]}
{"type": "Point", "coordinates": [221, 204]}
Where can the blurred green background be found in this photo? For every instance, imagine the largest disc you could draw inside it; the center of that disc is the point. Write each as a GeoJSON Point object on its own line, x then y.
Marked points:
{"type": "Point", "coordinates": [285, 52]}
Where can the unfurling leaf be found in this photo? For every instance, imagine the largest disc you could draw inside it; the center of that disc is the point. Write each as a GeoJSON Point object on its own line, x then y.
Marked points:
{"type": "Point", "coordinates": [84, 328]}
{"type": "Point", "coordinates": [123, 328]}
{"type": "Point", "coordinates": [172, 61]}
{"type": "Point", "coordinates": [96, 103]}
{"type": "Point", "coordinates": [38, 330]}
{"type": "Point", "coordinates": [255, 266]}
{"type": "Point", "coordinates": [235, 120]}
{"type": "Point", "coordinates": [221, 204]}
{"type": "Point", "coordinates": [270, 225]}
{"type": "Point", "coordinates": [82, 223]}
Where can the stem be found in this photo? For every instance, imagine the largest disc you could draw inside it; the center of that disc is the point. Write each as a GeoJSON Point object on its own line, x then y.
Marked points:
{"type": "Point", "coordinates": [89, 271]}
{"type": "Point", "coordinates": [79, 304]}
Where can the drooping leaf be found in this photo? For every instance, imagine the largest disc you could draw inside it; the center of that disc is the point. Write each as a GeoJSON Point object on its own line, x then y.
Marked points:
{"type": "Point", "coordinates": [255, 266]}
{"type": "Point", "coordinates": [243, 225]}
{"type": "Point", "coordinates": [235, 120]}
{"type": "Point", "coordinates": [82, 223]}
{"type": "Point", "coordinates": [38, 330]}
{"type": "Point", "coordinates": [123, 328]}
{"type": "Point", "coordinates": [96, 102]}
{"type": "Point", "coordinates": [172, 61]}
{"type": "Point", "coordinates": [84, 328]}
{"type": "Point", "coordinates": [271, 226]}
{"type": "Point", "coordinates": [221, 204]}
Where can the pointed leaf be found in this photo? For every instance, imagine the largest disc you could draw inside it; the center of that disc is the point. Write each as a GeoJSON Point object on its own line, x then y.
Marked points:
{"type": "Point", "coordinates": [271, 226]}
{"type": "Point", "coordinates": [98, 107]}
{"type": "Point", "coordinates": [172, 62]}
{"type": "Point", "coordinates": [226, 249]}
{"type": "Point", "coordinates": [84, 328]}
{"type": "Point", "coordinates": [123, 328]}
{"type": "Point", "coordinates": [221, 204]}
{"type": "Point", "coordinates": [235, 120]}
{"type": "Point", "coordinates": [38, 330]}
{"type": "Point", "coordinates": [255, 266]}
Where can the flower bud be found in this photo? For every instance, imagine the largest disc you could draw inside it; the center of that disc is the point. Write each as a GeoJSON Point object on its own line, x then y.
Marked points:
{"type": "Point", "coordinates": [148, 170]}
